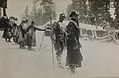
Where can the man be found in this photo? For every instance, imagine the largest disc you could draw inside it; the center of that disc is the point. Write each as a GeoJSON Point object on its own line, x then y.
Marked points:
{"type": "Point", "coordinates": [23, 33]}
{"type": "Point", "coordinates": [74, 56]}
{"type": "Point", "coordinates": [31, 40]}
{"type": "Point", "coordinates": [59, 38]}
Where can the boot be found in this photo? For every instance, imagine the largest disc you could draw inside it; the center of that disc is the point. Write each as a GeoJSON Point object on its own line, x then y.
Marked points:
{"type": "Point", "coordinates": [59, 61]}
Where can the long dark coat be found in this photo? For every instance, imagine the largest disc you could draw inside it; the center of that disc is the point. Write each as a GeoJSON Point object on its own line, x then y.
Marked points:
{"type": "Point", "coordinates": [73, 54]}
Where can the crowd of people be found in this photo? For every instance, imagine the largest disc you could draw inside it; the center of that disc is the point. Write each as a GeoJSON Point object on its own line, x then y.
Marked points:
{"type": "Point", "coordinates": [24, 35]}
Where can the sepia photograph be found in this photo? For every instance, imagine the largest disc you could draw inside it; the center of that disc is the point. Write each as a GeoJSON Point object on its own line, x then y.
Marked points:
{"type": "Point", "coordinates": [59, 38]}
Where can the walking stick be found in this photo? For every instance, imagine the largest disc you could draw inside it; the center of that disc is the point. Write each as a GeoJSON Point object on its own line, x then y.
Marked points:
{"type": "Point", "coordinates": [42, 40]}
{"type": "Point", "coordinates": [52, 46]}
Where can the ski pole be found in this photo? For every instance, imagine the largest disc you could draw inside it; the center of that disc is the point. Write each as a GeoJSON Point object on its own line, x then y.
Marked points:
{"type": "Point", "coordinates": [42, 40]}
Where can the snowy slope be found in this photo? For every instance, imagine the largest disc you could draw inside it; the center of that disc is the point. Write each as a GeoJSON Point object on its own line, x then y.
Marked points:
{"type": "Point", "coordinates": [100, 60]}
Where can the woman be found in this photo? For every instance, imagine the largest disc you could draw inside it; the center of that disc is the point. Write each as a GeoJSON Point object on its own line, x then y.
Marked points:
{"type": "Point", "coordinates": [74, 56]}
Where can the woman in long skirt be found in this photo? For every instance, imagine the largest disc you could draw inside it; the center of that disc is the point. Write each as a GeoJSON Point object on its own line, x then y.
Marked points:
{"type": "Point", "coordinates": [74, 57]}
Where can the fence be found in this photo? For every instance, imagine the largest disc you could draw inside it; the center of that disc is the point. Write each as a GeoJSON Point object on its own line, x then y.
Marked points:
{"type": "Point", "coordinates": [99, 33]}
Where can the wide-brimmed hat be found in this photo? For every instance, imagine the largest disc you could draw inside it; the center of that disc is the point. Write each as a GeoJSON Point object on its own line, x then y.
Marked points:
{"type": "Point", "coordinates": [62, 15]}
{"type": "Point", "coordinates": [73, 13]}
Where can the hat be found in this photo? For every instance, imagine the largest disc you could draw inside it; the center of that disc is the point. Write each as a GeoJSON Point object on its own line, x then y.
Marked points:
{"type": "Point", "coordinates": [62, 15]}
{"type": "Point", "coordinates": [73, 13]}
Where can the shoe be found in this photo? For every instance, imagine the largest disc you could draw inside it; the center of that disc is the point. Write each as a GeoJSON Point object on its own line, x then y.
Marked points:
{"type": "Point", "coordinates": [72, 69]}
{"type": "Point", "coordinates": [60, 66]}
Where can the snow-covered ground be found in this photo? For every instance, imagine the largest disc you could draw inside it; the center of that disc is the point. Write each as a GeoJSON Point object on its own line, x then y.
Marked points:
{"type": "Point", "coordinates": [100, 59]}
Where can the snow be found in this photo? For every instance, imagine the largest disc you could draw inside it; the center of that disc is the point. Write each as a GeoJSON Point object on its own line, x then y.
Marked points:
{"type": "Point", "coordinates": [100, 59]}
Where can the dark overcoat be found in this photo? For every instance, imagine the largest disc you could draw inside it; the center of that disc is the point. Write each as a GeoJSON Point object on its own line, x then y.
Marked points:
{"type": "Point", "coordinates": [74, 55]}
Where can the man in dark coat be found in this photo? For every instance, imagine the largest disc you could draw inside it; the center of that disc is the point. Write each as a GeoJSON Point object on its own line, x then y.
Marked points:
{"type": "Point", "coordinates": [31, 40]}
{"type": "Point", "coordinates": [59, 38]}
{"type": "Point", "coordinates": [74, 56]}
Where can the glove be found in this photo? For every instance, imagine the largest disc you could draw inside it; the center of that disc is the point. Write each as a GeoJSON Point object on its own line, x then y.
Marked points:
{"type": "Point", "coordinates": [76, 47]}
